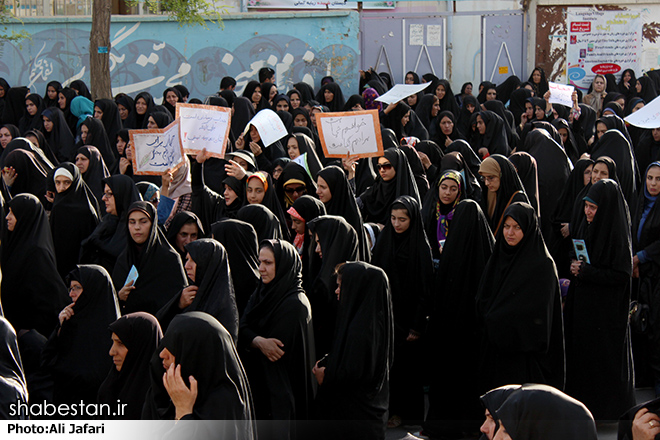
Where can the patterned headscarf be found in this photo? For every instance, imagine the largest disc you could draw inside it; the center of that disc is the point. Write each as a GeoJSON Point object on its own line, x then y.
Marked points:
{"type": "Point", "coordinates": [370, 102]}
{"type": "Point", "coordinates": [443, 220]}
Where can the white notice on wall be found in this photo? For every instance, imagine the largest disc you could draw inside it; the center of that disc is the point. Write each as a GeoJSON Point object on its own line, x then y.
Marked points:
{"type": "Point", "coordinates": [416, 34]}
{"type": "Point", "coordinates": [434, 35]}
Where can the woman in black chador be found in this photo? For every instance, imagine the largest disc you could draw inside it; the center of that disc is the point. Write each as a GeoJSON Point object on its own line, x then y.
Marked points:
{"type": "Point", "coordinates": [276, 342]}
{"type": "Point", "coordinates": [598, 359]}
{"type": "Point", "coordinates": [13, 387]}
{"type": "Point", "coordinates": [109, 238]}
{"type": "Point", "coordinates": [77, 352]}
{"type": "Point", "coordinates": [33, 292]}
{"type": "Point", "coordinates": [160, 273]}
{"type": "Point", "coordinates": [197, 353]}
{"type": "Point", "coordinates": [240, 241]}
{"type": "Point", "coordinates": [210, 289]}
{"type": "Point", "coordinates": [519, 307]}
{"type": "Point", "coordinates": [646, 262]}
{"type": "Point", "coordinates": [469, 245]}
{"type": "Point", "coordinates": [135, 338]}
{"type": "Point", "coordinates": [354, 377]}
{"type": "Point", "coordinates": [403, 252]}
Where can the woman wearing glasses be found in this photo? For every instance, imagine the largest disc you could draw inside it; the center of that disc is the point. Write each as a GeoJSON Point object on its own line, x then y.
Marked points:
{"type": "Point", "coordinates": [77, 352]}
{"type": "Point", "coordinates": [109, 239]}
{"type": "Point", "coordinates": [502, 186]}
{"type": "Point", "coordinates": [395, 179]}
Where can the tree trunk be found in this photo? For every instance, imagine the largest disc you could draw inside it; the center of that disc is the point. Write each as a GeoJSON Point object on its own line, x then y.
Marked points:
{"type": "Point", "coordinates": [99, 50]}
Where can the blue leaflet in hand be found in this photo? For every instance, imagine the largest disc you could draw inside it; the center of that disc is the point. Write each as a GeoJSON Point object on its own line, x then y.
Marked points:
{"type": "Point", "coordinates": [581, 250]}
{"type": "Point", "coordinates": [132, 276]}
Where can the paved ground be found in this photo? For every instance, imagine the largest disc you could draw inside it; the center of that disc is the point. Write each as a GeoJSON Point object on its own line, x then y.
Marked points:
{"type": "Point", "coordinates": [606, 431]}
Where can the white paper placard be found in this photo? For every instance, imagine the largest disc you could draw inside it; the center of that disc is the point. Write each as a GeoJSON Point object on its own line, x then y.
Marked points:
{"type": "Point", "coordinates": [647, 116]}
{"type": "Point", "coordinates": [270, 127]}
{"type": "Point", "coordinates": [401, 91]}
{"type": "Point", "coordinates": [204, 126]}
{"type": "Point", "coordinates": [354, 133]}
{"type": "Point", "coordinates": [156, 151]}
{"type": "Point", "coordinates": [561, 94]}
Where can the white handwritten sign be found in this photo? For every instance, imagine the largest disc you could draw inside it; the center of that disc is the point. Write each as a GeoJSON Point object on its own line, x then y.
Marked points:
{"type": "Point", "coordinates": [647, 116]}
{"type": "Point", "coordinates": [156, 151]}
{"type": "Point", "coordinates": [204, 126]}
{"type": "Point", "coordinates": [270, 127]}
{"type": "Point", "coordinates": [401, 91]}
{"type": "Point", "coordinates": [354, 133]}
{"type": "Point", "coordinates": [561, 94]}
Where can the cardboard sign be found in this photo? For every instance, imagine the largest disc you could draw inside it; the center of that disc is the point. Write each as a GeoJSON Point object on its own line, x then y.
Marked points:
{"type": "Point", "coordinates": [561, 94]}
{"type": "Point", "coordinates": [156, 151]}
{"type": "Point", "coordinates": [647, 116]}
{"type": "Point", "coordinates": [270, 127]}
{"type": "Point", "coordinates": [204, 126]}
{"type": "Point", "coordinates": [401, 91]}
{"type": "Point", "coordinates": [354, 133]}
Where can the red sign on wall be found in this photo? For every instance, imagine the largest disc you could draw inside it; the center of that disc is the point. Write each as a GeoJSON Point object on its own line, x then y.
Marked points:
{"type": "Point", "coordinates": [606, 68]}
{"type": "Point", "coordinates": [581, 26]}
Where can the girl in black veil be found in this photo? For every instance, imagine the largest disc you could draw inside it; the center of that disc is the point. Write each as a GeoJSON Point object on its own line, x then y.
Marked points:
{"type": "Point", "coordinates": [73, 217]}
{"type": "Point", "coordinates": [598, 358]}
{"type": "Point", "coordinates": [77, 352]}
{"type": "Point", "coordinates": [276, 342]}
{"type": "Point", "coordinates": [108, 240]}
{"type": "Point", "coordinates": [545, 413]}
{"type": "Point", "coordinates": [354, 388]}
{"type": "Point", "coordinates": [240, 240]}
{"type": "Point", "coordinates": [335, 192]}
{"type": "Point", "coordinates": [395, 179]}
{"type": "Point", "coordinates": [519, 307]}
{"type": "Point", "coordinates": [197, 353]}
{"type": "Point", "coordinates": [403, 252]}
{"type": "Point", "coordinates": [27, 248]}
{"type": "Point", "coordinates": [93, 170]}
{"type": "Point", "coordinates": [160, 273]}
{"type": "Point", "coordinates": [210, 288]}
{"type": "Point", "coordinates": [503, 187]}
{"type": "Point", "coordinates": [13, 387]}
{"type": "Point", "coordinates": [336, 242]}
{"type": "Point", "coordinates": [469, 245]}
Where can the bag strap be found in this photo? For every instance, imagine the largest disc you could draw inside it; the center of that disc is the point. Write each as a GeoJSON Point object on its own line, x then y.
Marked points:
{"type": "Point", "coordinates": [507, 205]}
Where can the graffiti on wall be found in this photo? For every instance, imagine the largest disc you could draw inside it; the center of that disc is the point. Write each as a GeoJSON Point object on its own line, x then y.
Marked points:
{"type": "Point", "coordinates": [147, 64]}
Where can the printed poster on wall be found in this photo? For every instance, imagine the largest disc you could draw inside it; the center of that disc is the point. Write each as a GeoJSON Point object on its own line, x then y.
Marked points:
{"type": "Point", "coordinates": [602, 42]}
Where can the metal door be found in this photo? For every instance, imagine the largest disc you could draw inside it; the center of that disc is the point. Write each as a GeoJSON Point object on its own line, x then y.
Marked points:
{"type": "Point", "coordinates": [399, 44]}
{"type": "Point", "coordinates": [502, 47]}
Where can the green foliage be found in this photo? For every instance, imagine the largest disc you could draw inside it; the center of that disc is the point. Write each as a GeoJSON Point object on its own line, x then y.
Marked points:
{"type": "Point", "coordinates": [186, 12]}
{"type": "Point", "coordinates": [7, 18]}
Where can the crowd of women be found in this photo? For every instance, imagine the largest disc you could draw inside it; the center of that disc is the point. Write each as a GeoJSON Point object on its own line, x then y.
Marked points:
{"type": "Point", "coordinates": [498, 240]}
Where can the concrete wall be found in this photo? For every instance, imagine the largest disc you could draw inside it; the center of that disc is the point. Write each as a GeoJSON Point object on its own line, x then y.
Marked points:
{"type": "Point", "coordinates": [151, 53]}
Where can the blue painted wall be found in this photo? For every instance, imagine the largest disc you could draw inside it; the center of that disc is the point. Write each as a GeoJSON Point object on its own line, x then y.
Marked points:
{"type": "Point", "coordinates": [152, 53]}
